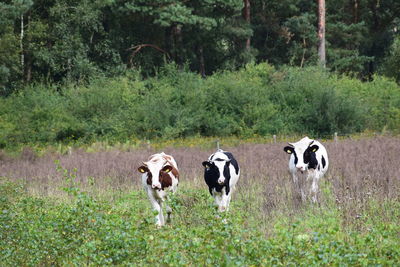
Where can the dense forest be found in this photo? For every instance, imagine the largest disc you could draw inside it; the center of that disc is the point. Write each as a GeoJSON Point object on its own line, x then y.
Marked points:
{"type": "Point", "coordinates": [59, 40]}
{"type": "Point", "coordinates": [119, 69]}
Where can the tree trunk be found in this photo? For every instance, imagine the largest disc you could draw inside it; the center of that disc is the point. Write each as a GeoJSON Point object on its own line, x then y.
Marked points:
{"type": "Point", "coordinates": [202, 68]}
{"type": "Point", "coordinates": [28, 54]}
{"type": "Point", "coordinates": [21, 46]}
{"type": "Point", "coordinates": [321, 33]}
{"type": "Point", "coordinates": [246, 16]}
{"type": "Point", "coordinates": [176, 44]}
{"type": "Point", "coordinates": [356, 6]}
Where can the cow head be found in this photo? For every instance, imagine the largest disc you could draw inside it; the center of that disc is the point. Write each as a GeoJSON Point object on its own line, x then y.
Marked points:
{"type": "Point", "coordinates": [304, 153]}
{"type": "Point", "coordinates": [219, 165]}
{"type": "Point", "coordinates": [155, 170]}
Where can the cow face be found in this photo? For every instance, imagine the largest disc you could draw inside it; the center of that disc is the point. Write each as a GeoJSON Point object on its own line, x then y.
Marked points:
{"type": "Point", "coordinates": [303, 152]}
{"type": "Point", "coordinates": [157, 174]}
{"type": "Point", "coordinates": [218, 167]}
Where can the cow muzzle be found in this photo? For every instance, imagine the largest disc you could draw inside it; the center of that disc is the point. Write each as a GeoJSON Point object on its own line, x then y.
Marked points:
{"type": "Point", "coordinates": [221, 181]}
{"type": "Point", "coordinates": [301, 168]}
{"type": "Point", "coordinates": [156, 186]}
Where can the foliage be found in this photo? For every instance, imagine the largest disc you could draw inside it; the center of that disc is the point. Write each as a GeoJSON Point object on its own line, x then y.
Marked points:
{"type": "Point", "coordinates": [391, 64]}
{"type": "Point", "coordinates": [74, 41]}
{"type": "Point", "coordinates": [83, 230]}
{"type": "Point", "coordinates": [255, 100]}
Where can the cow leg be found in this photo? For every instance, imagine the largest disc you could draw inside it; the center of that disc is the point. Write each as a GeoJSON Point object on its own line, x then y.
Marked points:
{"type": "Point", "coordinates": [218, 201]}
{"type": "Point", "coordinates": [299, 187]}
{"type": "Point", "coordinates": [157, 206]}
{"type": "Point", "coordinates": [314, 189]}
{"type": "Point", "coordinates": [228, 200]}
{"type": "Point", "coordinates": [161, 215]}
{"type": "Point", "coordinates": [224, 204]}
{"type": "Point", "coordinates": [169, 211]}
{"type": "Point", "coordinates": [295, 179]}
{"type": "Point", "coordinates": [303, 195]}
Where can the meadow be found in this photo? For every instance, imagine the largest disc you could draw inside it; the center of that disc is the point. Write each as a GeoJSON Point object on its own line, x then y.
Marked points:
{"type": "Point", "coordinates": [86, 207]}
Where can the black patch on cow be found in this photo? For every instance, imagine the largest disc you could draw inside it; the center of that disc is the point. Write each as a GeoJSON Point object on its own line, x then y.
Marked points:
{"type": "Point", "coordinates": [323, 162]}
{"type": "Point", "coordinates": [233, 161]}
{"type": "Point", "coordinates": [211, 173]}
{"type": "Point", "coordinates": [310, 158]}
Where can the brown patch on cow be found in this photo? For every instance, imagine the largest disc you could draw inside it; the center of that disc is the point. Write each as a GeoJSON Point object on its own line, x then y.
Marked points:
{"type": "Point", "coordinates": [175, 172]}
{"type": "Point", "coordinates": [165, 180]}
{"type": "Point", "coordinates": [167, 158]}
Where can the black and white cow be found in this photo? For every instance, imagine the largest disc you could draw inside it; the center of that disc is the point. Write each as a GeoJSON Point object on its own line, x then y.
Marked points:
{"type": "Point", "coordinates": [309, 162]}
{"type": "Point", "coordinates": [221, 175]}
{"type": "Point", "coordinates": [160, 176]}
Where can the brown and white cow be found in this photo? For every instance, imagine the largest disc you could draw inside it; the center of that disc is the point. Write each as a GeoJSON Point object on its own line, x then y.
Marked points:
{"type": "Point", "coordinates": [160, 177]}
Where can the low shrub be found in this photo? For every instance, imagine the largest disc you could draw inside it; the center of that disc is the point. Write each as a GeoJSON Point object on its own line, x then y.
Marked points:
{"type": "Point", "coordinates": [256, 100]}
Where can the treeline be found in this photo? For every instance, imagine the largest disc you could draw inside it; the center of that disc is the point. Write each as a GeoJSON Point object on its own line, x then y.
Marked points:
{"type": "Point", "coordinates": [62, 40]}
{"type": "Point", "coordinates": [256, 100]}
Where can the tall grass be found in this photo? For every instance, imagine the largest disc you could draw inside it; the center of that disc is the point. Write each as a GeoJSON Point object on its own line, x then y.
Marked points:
{"type": "Point", "coordinates": [98, 214]}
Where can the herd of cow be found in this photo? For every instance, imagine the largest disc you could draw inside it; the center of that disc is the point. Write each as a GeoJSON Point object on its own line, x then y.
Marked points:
{"type": "Point", "coordinates": [160, 175]}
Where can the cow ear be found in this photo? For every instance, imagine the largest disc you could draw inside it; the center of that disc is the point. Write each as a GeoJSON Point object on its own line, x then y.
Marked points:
{"type": "Point", "coordinates": [314, 148]}
{"type": "Point", "coordinates": [206, 164]}
{"type": "Point", "coordinates": [288, 149]}
{"type": "Point", "coordinates": [167, 168]}
{"type": "Point", "coordinates": [143, 169]}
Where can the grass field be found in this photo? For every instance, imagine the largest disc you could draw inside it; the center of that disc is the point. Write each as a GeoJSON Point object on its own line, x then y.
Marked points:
{"type": "Point", "coordinates": [88, 208]}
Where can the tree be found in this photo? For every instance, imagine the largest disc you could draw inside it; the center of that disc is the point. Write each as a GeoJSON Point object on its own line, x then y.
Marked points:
{"type": "Point", "coordinates": [391, 63]}
{"type": "Point", "coordinates": [246, 16]}
{"type": "Point", "coordinates": [321, 33]}
{"type": "Point", "coordinates": [12, 50]}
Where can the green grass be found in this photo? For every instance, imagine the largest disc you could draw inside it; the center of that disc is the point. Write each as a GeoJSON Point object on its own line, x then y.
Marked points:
{"type": "Point", "coordinates": [119, 229]}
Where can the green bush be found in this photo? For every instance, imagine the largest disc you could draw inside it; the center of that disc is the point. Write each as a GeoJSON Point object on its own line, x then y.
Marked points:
{"type": "Point", "coordinates": [256, 100]}
{"type": "Point", "coordinates": [311, 103]}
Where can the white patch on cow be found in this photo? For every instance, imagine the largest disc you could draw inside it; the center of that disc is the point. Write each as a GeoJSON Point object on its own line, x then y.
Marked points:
{"type": "Point", "coordinates": [156, 194]}
{"type": "Point", "coordinates": [222, 199]}
{"type": "Point", "coordinates": [301, 171]}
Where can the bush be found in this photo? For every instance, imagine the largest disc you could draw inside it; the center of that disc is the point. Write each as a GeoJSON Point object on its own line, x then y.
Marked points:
{"type": "Point", "coordinates": [256, 100]}
{"type": "Point", "coordinates": [311, 103]}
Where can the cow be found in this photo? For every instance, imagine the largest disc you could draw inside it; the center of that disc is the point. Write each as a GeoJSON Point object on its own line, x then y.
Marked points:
{"type": "Point", "coordinates": [309, 161]}
{"type": "Point", "coordinates": [221, 175]}
{"type": "Point", "coordinates": [160, 176]}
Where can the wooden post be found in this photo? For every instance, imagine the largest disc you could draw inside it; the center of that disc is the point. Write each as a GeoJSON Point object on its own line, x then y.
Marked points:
{"type": "Point", "coordinates": [335, 138]}
{"type": "Point", "coordinates": [274, 137]}
{"type": "Point", "coordinates": [217, 144]}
